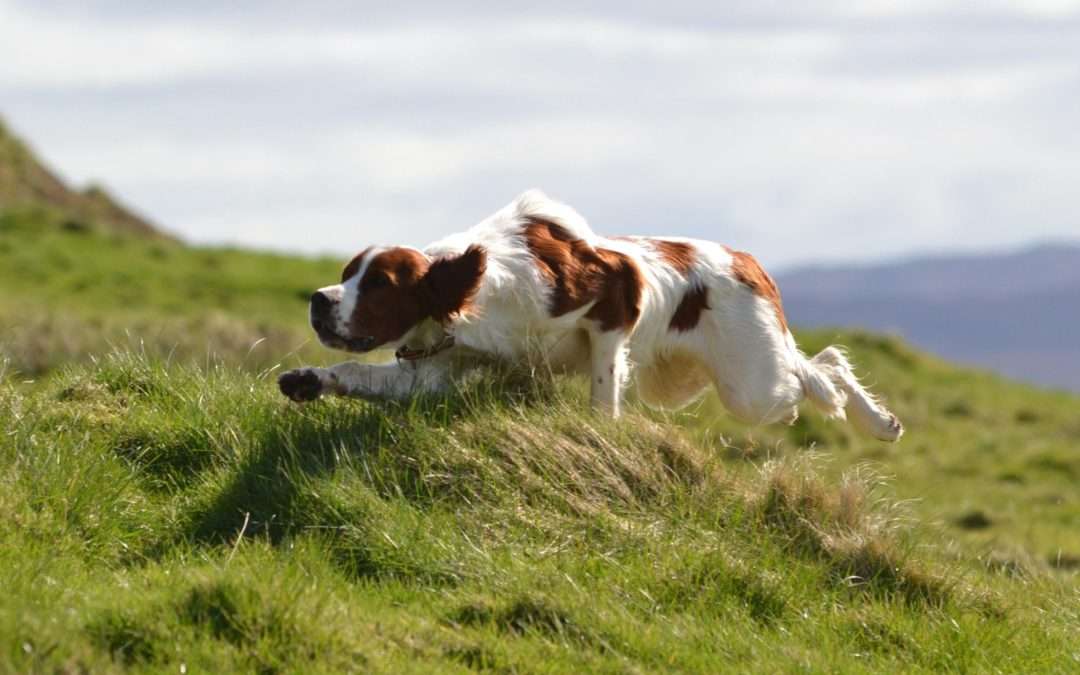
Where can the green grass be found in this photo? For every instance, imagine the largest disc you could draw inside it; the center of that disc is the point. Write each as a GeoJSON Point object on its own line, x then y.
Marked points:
{"type": "Point", "coordinates": [70, 292]}
{"type": "Point", "coordinates": [991, 462]}
{"type": "Point", "coordinates": [162, 505]}
{"type": "Point", "coordinates": [164, 515]}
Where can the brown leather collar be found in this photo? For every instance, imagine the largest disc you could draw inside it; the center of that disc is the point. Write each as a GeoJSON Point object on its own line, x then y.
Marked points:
{"type": "Point", "coordinates": [404, 353]}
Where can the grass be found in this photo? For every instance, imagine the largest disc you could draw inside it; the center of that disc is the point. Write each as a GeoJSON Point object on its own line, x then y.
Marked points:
{"type": "Point", "coordinates": [72, 292]}
{"type": "Point", "coordinates": [159, 515]}
{"type": "Point", "coordinates": [162, 506]}
{"type": "Point", "coordinates": [992, 462]}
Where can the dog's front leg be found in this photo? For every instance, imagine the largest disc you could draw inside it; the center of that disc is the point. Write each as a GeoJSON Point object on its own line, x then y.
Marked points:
{"type": "Point", "coordinates": [608, 355]}
{"type": "Point", "coordinates": [384, 381]}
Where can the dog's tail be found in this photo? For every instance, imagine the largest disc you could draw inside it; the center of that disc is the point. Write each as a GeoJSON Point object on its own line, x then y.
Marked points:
{"type": "Point", "coordinates": [830, 384]}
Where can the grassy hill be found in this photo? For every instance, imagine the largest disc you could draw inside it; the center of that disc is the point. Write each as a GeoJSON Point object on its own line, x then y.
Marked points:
{"type": "Point", "coordinates": [25, 180]}
{"type": "Point", "coordinates": [162, 505]}
{"type": "Point", "coordinates": [67, 293]}
{"type": "Point", "coordinates": [80, 273]}
{"type": "Point", "coordinates": [158, 516]}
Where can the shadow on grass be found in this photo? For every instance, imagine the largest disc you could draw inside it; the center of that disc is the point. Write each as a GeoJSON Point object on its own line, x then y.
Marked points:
{"type": "Point", "coordinates": [527, 616]}
{"type": "Point", "coordinates": [261, 631]}
{"type": "Point", "coordinates": [276, 490]}
{"type": "Point", "coordinates": [264, 490]}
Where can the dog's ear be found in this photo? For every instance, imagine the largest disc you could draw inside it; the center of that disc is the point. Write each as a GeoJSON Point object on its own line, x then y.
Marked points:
{"type": "Point", "coordinates": [451, 282]}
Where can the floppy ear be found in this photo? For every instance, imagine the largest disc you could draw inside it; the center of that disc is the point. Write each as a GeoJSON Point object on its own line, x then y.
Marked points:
{"type": "Point", "coordinates": [452, 282]}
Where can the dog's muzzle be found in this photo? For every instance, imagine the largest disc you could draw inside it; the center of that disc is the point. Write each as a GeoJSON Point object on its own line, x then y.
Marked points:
{"type": "Point", "coordinates": [322, 320]}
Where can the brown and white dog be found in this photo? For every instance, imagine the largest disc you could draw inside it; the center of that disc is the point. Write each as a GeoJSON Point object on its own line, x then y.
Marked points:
{"type": "Point", "coordinates": [534, 281]}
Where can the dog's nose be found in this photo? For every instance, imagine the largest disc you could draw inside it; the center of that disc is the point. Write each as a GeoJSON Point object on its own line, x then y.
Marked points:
{"type": "Point", "coordinates": [320, 303]}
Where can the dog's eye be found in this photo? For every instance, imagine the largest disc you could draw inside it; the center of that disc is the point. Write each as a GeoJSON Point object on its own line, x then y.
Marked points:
{"type": "Point", "coordinates": [376, 281]}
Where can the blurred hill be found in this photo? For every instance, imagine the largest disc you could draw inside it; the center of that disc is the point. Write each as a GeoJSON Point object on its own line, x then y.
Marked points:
{"type": "Point", "coordinates": [26, 181]}
{"type": "Point", "coordinates": [80, 274]}
{"type": "Point", "coordinates": [1017, 313]}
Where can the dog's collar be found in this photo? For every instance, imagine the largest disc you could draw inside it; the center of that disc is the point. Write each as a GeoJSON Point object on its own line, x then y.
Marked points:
{"type": "Point", "coordinates": [404, 353]}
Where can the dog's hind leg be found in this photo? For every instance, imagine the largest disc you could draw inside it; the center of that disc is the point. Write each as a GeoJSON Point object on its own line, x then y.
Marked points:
{"type": "Point", "coordinates": [831, 385]}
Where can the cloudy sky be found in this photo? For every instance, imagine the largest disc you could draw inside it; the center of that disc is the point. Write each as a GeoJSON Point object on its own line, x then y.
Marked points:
{"type": "Point", "coordinates": [801, 131]}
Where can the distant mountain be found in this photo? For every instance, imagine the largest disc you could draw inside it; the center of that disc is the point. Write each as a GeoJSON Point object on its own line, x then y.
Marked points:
{"type": "Point", "coordinates": [26, 182]}
{"type": "Point", "coordinates": [1017, 313]}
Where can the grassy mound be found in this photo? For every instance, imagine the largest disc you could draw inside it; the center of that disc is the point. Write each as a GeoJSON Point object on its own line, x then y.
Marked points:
{"type": "Point", "coordinates": [158, 515]}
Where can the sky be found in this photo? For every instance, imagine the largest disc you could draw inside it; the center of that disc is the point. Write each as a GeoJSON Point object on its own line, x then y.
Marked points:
{"type": "Point", "coordinates": [805, 132]}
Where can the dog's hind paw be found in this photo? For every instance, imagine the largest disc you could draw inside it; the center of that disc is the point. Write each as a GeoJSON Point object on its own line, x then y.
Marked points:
{"type": "Point", "coordinates": [300, 385]}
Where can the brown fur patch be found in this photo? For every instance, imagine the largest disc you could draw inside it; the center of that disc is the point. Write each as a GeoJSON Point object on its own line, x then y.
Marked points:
{"type": "Point", "coordinates": [678, 254]}
{"type": "Point", "coordinates": [688, 313]}
{"type": "Point", "coordinates": [401, 288]}
{"type": "Point", "coordinates": [619, 302]}
{"type": "Point", "coordinates": [748, 271]}
{"type": "Point", "coordinates": [580, 274]}
{"type": "Point", "coordinates": [390, 301]}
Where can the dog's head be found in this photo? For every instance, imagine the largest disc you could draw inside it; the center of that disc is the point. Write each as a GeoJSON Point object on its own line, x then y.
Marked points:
{"type": "Point", "coordinates": [387, 292]}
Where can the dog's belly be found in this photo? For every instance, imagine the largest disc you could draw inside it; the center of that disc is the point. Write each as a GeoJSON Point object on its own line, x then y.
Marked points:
{"type": "Point", "coordinates": [672, 381]}
{"type": "Point", "coordinates": [569, 352]}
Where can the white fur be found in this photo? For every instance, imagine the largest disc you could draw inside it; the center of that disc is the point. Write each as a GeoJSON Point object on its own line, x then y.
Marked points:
{"type": "Point", "coordinates": [739, 346]}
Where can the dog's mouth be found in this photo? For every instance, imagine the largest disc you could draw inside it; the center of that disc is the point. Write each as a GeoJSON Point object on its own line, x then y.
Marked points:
{"type": "Point", "coordinates": [329, 337]}
{"type": "Point", "coordinates": [364, 343]}
{"type": "Point", "coordinates": [361, 344]}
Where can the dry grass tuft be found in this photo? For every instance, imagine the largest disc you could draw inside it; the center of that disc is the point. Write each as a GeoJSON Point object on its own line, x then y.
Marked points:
{"type": "Point", "coordinates": [583, 465]}
{"type": "Point", "coordinates": [37, 343]}
{"type": "Point", "coordinates": [850, 527]}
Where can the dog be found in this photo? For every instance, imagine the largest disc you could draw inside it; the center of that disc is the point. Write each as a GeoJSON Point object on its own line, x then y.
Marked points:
{"type": "Point", "coordinates": [533, 281]}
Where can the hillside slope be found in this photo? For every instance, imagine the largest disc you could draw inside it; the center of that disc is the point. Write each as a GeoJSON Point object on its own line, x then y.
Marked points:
{"type": "Point", "coordinates": [26, 181]}
{"type": "Point", "coordinates": [69, 293]}
{"type": "Point", "coordinates": [79, 273]}
{"type": "Point", "coordinates": [167, 518]}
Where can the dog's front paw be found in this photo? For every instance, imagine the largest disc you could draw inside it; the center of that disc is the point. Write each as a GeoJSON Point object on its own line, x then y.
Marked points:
{"type": "Point", "coordinates": [303, 384]}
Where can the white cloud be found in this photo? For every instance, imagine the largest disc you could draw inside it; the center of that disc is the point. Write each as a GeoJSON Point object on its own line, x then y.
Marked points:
{"type": "Point", "coordinates": [840, 130]}
{"type": "Point", "coordinates": [66, 51]}
{"type": "Point", "coordinates": [892, 8]}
